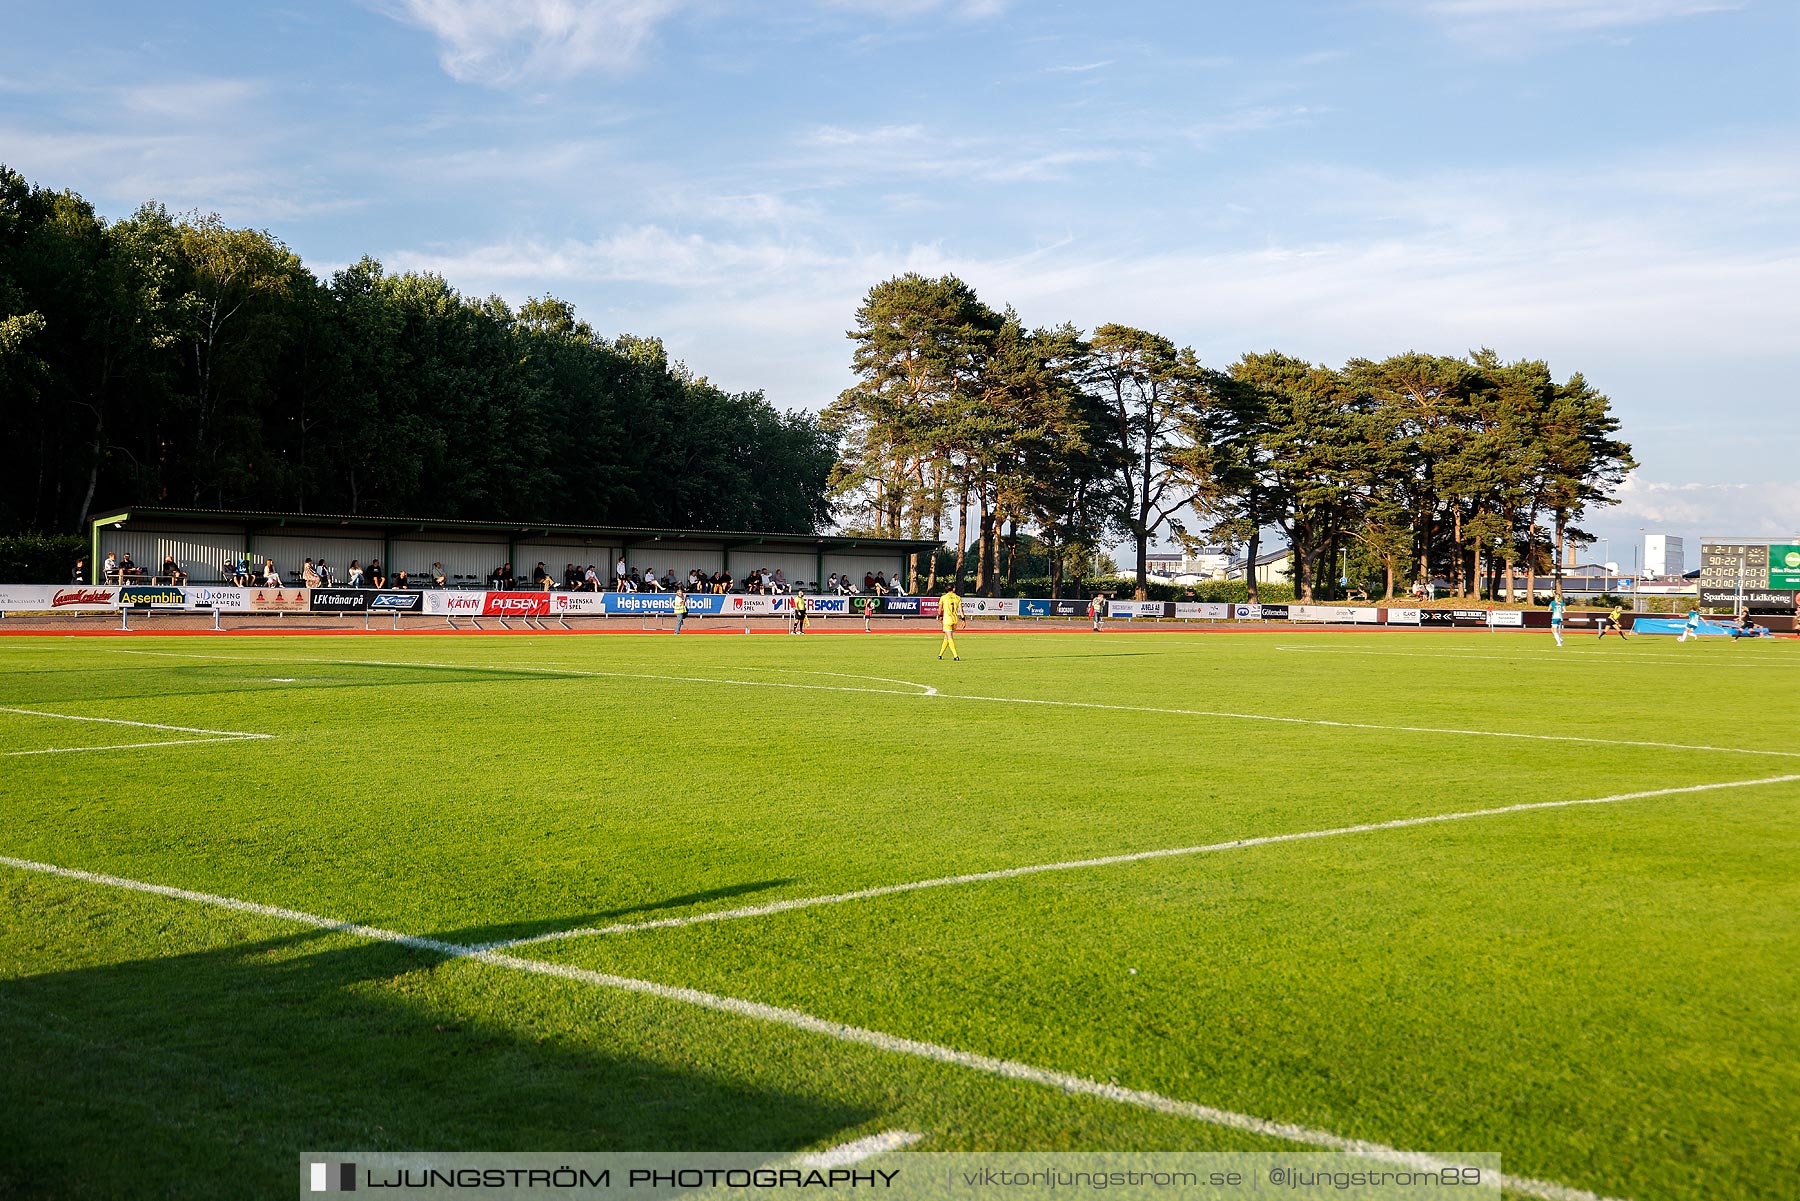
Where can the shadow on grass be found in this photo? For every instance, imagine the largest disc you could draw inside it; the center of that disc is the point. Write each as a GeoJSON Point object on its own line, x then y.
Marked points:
{"type": "Point", "coordinates": [511, 931]}
{"type": "Point", "coordinates": [206, 1074]}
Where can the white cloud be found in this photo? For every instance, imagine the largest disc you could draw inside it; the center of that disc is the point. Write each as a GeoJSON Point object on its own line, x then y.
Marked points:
{"type": "Point", "coordinates": [1516, 24]}
{"type": "Point", "coordinates": [501, 42]}
{"type": "Point", "coordinates": [1768, 510]}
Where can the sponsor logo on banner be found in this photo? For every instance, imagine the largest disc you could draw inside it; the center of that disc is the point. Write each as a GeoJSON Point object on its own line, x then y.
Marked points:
{"type": "Point", "coordinates": [929, 606]}
{"type": "Point", "coordinates": [515, 604]}
{"type": "Point", "coordinates": [983, 606]}
{"type": "Point", "coordinates": [398, 602]}
{"type": "Point", "coordinates": [144, 596]}
{"type": "Point", "coordinates": [339, 600]}
{"type": "Point", "coordinates": [82, 598]}
{"type": "Point", "coordinates": [1204, 611]}
{"type": "Point", "coordinates": [577, 603]}
{"type": "Point", "coordinates": [753, 606]}
{"type": "Point", "coordinates": [902, 605]}
{"type": "Point", "coordinates": [1277, 613]}
{"type": "Point", "coordinates": [1453, 617]}
{"type": "Point", "coordinates": [278, 600]}
{"type": "Point", "coordinates": [1403, 617]}
{"type": "Point", "coordinates": [451, 603]}
{"type": "Point", "coordinates": [1507, 617]}
{"type": "Point", "coordinates": [1247, 612]}
{"type": "Point", "coordinates": [828, 606]}
{"type": "Point", "coordinates": [1757, 598]}
{"type": "Point", "coordinates": [219, 598]}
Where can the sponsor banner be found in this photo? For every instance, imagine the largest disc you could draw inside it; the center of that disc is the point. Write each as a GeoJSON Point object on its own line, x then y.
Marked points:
{"type": "Point", "coordinates": [929, 606]}
{"type": "Point", "coordinates": [515, 604]}
{"type": "Point", "coordinates": [1046, 608]}
{"type": "Point", "coordinates": [982, 606]}
{"type": "Point", "coordinates": [73, 597]}
{"type": "Point", "coordinates": [1507, 618]}
{"type": "Point", "coordinates": [828, 606]}
{"type": "Point", "coordinates": [340, 600]}
{"type": "Point", "coordinates": [754, 606]}
{"type": "Point", "coordinates": [1277, 612]}
{"type": "Point", "coordinates": [1784, 566]}
{"type": "Point", "coordinates": [277, 600]}
{"type": "Point", "coordinates": [1138, 608]}
{"type": "Point", "coordinates": [1755, 598]}
{"type": "Point", "coordinates": [629, 604]}
{"type": "Point", "coordinates": [148, 596]}
{"type": "Point", "coordinates": [397, 602]}
{"type": "Point", "coordinates": [902, 606]}
{"type": "Point", "coordinates": [1202, 611]}
{"type": "Point", "coordinates": [576, 604]}
{"type": "Point", "coordinates": [1246, 612]}
{"type": "Point", "coordinates": [455, 604]}
{"type": "Point", "coordinates": [219, 598]}
{"type": "Point", "coordinates": [1405, 617]}
{"type": "Point", "coordinates": [1453, 617]}
{"type": "Point", "coordinates": [1335, 614]}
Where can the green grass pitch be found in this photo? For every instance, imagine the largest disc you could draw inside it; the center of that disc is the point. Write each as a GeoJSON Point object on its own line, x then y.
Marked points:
{"type": "Point", "coordinates": [1607, 994]}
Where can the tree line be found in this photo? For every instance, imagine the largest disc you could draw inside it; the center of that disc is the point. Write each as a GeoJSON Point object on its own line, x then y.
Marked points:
{"type": "Point", "coordinates": [963, 422]}
{"type": "Point", "coordinates": [174, 360]}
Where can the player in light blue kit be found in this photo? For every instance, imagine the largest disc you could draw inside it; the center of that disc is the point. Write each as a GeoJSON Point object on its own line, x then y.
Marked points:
{"type": "Point", "coordinates": [1692, 629]}
{"type": "Point", "coordinates": [1557, 609]}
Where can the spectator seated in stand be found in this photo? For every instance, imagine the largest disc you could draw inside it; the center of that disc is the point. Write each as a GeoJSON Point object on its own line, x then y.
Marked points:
{"type": "Point", "coordinates": [780, 584]}
{"type": "Point", "coordinates": [324, 573]}
{"type": "Point", "coordinates": [400, 580]}
{"type": "Point", "coordinates": [669, 582]}
{"type": "Point", "coordinates": [171, 570]}
{"type": "Point", "coordinates": [572, 579]}
{"type": "Point", "coordinates": [309, 575]}
{"type": "Point", "coordinates": [109, 569]}
{"type": "Point", "coordinates": [438, 578]}
{"type": "Point", "coordinates": [868, 583]}
{"type": "Point", "coordinates": [129, 572]}
{"type": "Point", "coordinates": [881, 584]}
{"type": "Point", "coordinates": [590, 579]}
{"type": "Point", "coordinates": [846, 587]}
{"type": "Point", "coordinates": [651, 583]}
{"type": "Point", "coordinates": [831, 584]}
{"type": "Point", "coordinates": [696, 581]}
{"type": "Point", "coordinates": [541, 579]}
{"type": "Point", "coordinates": [355, 578]}
{"type": "Point", "coordinates": [375, 574]}
{"type": "Point", "coordinates": [270, 577]}
{"type": "Point", "coordinates": [898, 584]}
{"type": "Point", "coordinates": [724, 581]}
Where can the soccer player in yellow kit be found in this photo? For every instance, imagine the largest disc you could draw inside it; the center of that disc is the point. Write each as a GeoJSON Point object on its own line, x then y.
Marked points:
{"type": "Point", "coordinates": [950, 611]}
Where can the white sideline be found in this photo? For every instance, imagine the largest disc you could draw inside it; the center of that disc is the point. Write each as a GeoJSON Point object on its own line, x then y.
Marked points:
{"type": "Point", "coordinates": [798, 1020]}
{"type": "Point", "coordinates": [857, 1150]}
{"type": "Point", "coordinates": [934, 694]}
{"type": "Point", "coordinates": [1008, 873]}
{"type": "Point", "coordinates": [1658, 657]}
{"type": "Point", "coordinates": [217, 735]}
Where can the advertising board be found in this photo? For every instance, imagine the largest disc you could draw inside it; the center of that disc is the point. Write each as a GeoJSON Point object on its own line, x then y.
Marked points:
{"type": "Point", "coordinates": [278, 600]}
{"type": "Point", "coordinates": [230, 599]}
{"type": "Point", "coordinates": [397, 602]}
{"type": "Point", "coordinates": [339, 600]}
{"type": "Point", "coordinates": [152, 596]}
{"type": "Point", "coordinates": [1246, 612]}
{"type": "Point", "coordinates": [1754, 598]}
{"type": "Point", "coordinates": [455, 604]}
{"type": "Point", "coordinates": [1784, 566]}
{"type": "Point", "coordinates": [1507, 619]}
{"type": "Point", "coordinates": [16, 598]}
{"type": "Point", "coordinates": [983, 606]}
{"type": "Point", "coordinates": [1405, 617]}
{"type": "Point", "coordinates": [518, 604]}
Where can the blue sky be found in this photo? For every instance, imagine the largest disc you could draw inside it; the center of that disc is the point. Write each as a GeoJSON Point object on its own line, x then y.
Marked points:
{"type": "Point", "coordinates": [1611, 185]}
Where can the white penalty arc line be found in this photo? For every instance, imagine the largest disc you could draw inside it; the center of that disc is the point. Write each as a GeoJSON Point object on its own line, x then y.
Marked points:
{"type": "Point", "coordinates": [797, 1020]}
{"type": "Point", "coordinates": [1009, 873]}
{"type": "Point", "coordinates": [934, 694]}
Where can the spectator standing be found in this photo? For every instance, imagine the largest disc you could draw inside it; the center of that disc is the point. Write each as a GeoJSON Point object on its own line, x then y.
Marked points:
{"type": "Point", "coordinates": [621, 573]}
{"type": "Point", "coordinates": [79, 574]}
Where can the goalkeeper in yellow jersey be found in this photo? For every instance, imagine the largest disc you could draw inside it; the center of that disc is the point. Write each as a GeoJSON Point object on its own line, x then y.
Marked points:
{"type": "Point", "coordinates": [951, 614]}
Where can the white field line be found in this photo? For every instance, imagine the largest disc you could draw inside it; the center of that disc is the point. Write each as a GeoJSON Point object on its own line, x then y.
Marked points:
{"type": "Point", "coordinates": [126, 746]}
{"type": "Point", "coordinates": [845, 1154]}
{"type": "Point", "coordinates": [1658, 657]}
{"type": "Point", "coordinates": [798, 1020]}
{"type": "Point", "coordinates": [934, 694]}
{"type": "Point", "coordinates": [1009, 873]}
{"type": "Point", "coordinates": [215, 735]}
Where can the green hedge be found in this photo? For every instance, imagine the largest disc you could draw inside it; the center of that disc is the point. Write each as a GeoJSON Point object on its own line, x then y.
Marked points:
{"type": "Point", "coordinates": [40, 558]}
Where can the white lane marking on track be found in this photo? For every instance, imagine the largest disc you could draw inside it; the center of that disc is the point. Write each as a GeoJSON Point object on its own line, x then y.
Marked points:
{"type": "Point", "coordinates": [795, 1019]}
{"type": "Point", "coordinates": [1023, 700]}
{"type": "Point", "coordinates": [213, 735]}
{"type": "Point", "coordinates": [1657, 657]}
{"type": "Point", "coordinates": [1008, 873]}
{"type": "Point", "coordinates": [857, 1150]}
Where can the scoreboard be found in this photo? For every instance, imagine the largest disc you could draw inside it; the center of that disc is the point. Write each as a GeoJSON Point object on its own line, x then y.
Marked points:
{"type": "Point", "coordinates": [1762, 574]}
